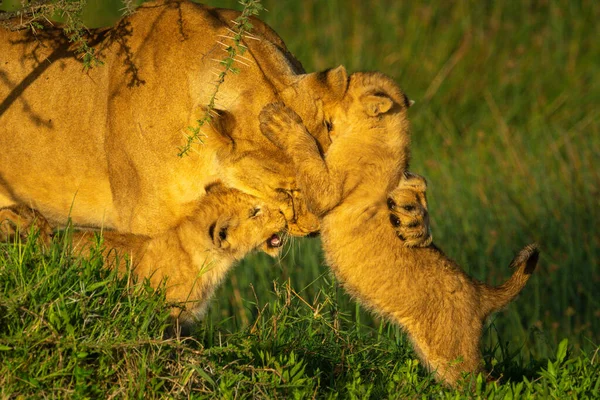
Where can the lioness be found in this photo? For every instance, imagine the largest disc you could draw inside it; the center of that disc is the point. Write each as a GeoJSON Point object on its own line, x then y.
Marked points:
{"type": "Point", "coordinates": [101, 146]}
{"type": "Point", "coordinates": [429, 295]}
{"type": "Point", "coordinates": [194, 256]}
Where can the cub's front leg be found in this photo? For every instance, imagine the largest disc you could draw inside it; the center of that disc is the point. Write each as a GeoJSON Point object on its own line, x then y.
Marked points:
{"type": "Point", "coordinates": [408, 211]}
{"type": "Point", "coordinates": [320, 184]}
{"type": "Point", "coordinates": [19, 220]}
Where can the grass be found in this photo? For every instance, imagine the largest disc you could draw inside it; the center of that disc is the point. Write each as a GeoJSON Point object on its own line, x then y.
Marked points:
{"type": "Point", "coordinates": [69, 328]}
{"type": "Point", "coordinates": [507, 131]}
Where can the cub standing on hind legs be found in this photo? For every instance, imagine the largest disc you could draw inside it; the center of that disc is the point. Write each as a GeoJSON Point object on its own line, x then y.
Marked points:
{"type": "Point", "coordinates": [421, 289]}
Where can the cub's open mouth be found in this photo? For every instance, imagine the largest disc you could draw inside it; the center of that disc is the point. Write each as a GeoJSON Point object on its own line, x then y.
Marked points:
{"type": "Point", "coordinates": [275, 240]}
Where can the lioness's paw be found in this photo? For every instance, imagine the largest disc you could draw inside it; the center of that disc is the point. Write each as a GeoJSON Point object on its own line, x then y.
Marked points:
{"type": "Point", "coordinates": [19, 220]}
{"type": "Point", "coordinates": [408, 211]}
{"type": "Point", "coordinates": [278, 122]}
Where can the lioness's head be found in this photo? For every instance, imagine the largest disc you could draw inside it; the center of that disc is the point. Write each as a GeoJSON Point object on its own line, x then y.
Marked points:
{"type": "Point", "coordinates": [234, 223]}
{"type": "Point", "coordinates": [258, 168]}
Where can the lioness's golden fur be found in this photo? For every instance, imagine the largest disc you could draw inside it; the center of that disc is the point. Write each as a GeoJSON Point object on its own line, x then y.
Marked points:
{"type": "Point", "coordinates": [100, 146]}
{"type": "Point", "coordinates": [440, 307]}
{"type": "Point", "coordinates": [193, 257]}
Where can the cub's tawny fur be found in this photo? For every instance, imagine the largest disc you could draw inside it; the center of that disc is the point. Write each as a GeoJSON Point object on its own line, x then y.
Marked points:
{"type": "Point", "coordinates": [20, 220]}
{"type": "Point", "coordinates": [194, 256]}
{"type": "Point", "coordinates": [440, 307]}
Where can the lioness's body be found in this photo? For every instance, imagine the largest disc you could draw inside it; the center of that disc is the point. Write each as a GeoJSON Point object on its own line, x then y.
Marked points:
{"type": "Point", "coordinates": [101, 145]}
{"type": "Point", "coordinates": [441, 308]}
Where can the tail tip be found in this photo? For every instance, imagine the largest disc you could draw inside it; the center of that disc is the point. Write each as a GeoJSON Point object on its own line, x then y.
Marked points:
{"type": "Point", "coordinates": [529, 256]}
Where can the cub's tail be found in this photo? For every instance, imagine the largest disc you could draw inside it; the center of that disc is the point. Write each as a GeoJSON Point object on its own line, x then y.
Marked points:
{"type": "Point", "coordinates": [496, 298]}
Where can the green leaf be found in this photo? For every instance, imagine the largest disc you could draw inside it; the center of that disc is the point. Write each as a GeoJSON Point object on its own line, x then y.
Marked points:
{"type": "Point", "coordinates": [96, 285]}
{"type": "Point", "coordinates": [561, 353]}
{"type": "Point", "coordinates": [205, 376]}
{"type": "Point", "coordinates": [479, 384]}
{"type": "Point", "coordinates": [551, 370]}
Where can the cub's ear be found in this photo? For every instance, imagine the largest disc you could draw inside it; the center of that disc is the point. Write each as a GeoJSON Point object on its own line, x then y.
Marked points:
{"type": "Point", "coordinates": [337, 80]}
{"type": "Point", "coordinates": [376, 104]}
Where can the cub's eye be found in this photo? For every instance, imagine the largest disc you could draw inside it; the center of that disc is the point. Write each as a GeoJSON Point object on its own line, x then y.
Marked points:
{"type": "Point", "coordinates": [223, 233]}
{"type": "Point", "coordinates": [329, 125]}
{"type": "Point", "coordinates": [255, 212]}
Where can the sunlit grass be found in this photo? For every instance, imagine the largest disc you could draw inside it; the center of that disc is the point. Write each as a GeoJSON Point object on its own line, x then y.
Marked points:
{"type": "Point", "coordinates": [506, 128]}
{"type": "Point", "coordinates": [69, 328]}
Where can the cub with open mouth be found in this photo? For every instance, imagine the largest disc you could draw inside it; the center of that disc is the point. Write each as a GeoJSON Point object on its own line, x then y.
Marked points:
{"type": "Point", "coordinates": [194, 256]}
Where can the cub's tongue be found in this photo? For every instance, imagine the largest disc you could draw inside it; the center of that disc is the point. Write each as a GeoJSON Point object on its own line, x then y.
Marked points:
{"type": "Point", "coordinates": [274, 240]}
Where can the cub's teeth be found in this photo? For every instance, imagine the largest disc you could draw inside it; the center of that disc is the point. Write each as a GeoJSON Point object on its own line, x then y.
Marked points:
{"type": "Point", "coordinates": [274, 240]}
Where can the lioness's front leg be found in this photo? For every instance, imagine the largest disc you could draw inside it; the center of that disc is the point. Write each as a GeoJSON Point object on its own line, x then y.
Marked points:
{"type": "Point", "coordinates": [322, 186]}
{"type": "Point", "coordinates": [408, 211]}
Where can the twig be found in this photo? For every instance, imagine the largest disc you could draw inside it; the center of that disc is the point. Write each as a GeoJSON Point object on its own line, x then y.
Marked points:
{"type": "Point", "coordinates": [38, 12]}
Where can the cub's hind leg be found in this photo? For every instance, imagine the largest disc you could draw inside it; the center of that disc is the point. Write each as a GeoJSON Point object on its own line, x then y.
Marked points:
{"type": "Point", "coordinates": [19, 220]}
{"type": "Point", "coordinates": [408, 211]}
{"type": "Point", "coordinates": [447, 341]}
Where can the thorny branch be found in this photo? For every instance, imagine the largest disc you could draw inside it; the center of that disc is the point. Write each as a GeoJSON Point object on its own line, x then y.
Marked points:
{"type": "Point", "coordinates": [35, 15]}
{"type": "Point", "coordinates": [242, 29]}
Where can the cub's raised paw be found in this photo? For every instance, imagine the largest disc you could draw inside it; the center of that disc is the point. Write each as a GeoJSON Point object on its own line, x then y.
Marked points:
{"type": "Point", "coordinates": [19, 220]}
{"type": "Point", "coordinates": [408, 211]}
{"type": "Point", "coordinates": [278, 122]}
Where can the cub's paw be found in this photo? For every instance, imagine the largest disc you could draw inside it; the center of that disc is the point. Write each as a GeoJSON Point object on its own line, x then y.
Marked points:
{"type": "Point", "coordinates": [278, 123]}
{"type": "Point", "coordinates": [408, 211]}
{"type": "Point", "coordinates": [19, 220]}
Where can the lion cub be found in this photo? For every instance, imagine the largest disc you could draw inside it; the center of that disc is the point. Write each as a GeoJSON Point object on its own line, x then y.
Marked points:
{"type": "Point", "coordinates": [441, 308]}
{"type": "Point", "coordinates": [195, 255]}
